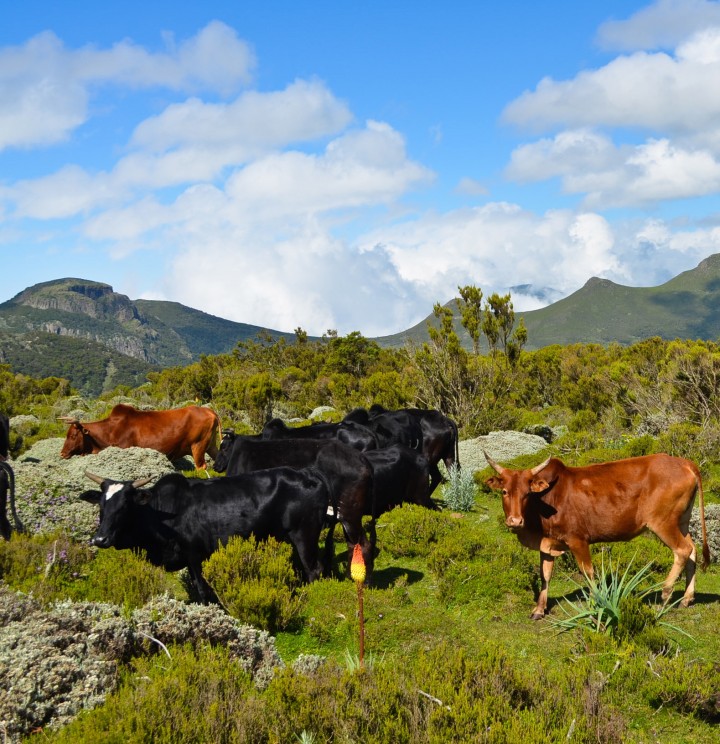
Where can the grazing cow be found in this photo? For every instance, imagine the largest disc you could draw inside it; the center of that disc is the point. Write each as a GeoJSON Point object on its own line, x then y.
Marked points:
{"type": "Point", "coordinates": [429, 432]}
{"type": "Point", "coordinates": [400, 476]}
{"type": "Point", "coordinates": [554, 508]}
{"type": "Point", "coordinates": [176, 433]}
{"type": "Point", "coordinates": [7, 482]}
{"type": "Point", "coordinates": [356, 435]}
{"type": "Point", "coordinates": [181, 522]}
{"type": "Point", "coordinates": [347, 470]}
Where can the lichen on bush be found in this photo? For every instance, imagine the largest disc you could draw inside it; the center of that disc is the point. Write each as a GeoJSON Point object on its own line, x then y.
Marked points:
{"type": "Point", "coordinates": [60, 661]}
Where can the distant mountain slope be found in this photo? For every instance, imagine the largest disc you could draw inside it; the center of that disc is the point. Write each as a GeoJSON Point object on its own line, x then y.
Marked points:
{"type": "Point", "coordinates": [203, 333]}
{"type": "Point", "coordinates": [97, 338]}
{"type": "Point", "coordinates": [687, 306]}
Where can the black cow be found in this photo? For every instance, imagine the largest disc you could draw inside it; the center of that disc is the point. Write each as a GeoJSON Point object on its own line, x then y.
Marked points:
{"type": "Point", "coordinates": [400, 475]}
{"type": "Point", "coordinates": [181, 522]}
{"type": "Point", "coordinates": [7, 482]}
{"type": "Point", "coordinates": [429, 432]}
{"type": "Point", "coordinates": [347, 470]}
{"type": "Point", "coordinates": [4, 436]}
{"type": "Point", "coordinates": [349, 432]}
{"type": "Point", "coordinates": [229, 437]}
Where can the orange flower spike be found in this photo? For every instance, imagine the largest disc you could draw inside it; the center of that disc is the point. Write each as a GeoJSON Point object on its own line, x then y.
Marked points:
{"type": "Point", "coordinates": [357, 565]}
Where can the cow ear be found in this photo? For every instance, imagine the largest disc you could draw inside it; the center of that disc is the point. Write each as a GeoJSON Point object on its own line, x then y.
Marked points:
{"type": "Point", "coordinates": [92, 497]}
{"type": "Point", "coordinates": [494, 482]}
{"type": "Point", "coordinates": [538, 485]}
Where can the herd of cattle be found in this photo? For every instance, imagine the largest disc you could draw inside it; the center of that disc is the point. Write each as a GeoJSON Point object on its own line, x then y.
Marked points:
{"type": "Point", "coordinates": [290, 483]}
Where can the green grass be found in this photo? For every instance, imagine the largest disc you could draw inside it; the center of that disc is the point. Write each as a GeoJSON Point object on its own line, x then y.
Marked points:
{"type": "Point", "coordinates": [460, 601]}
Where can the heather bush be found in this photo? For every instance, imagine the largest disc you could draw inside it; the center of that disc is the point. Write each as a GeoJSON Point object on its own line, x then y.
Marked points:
{"type": "Point", "coordinates": [125, 578]}
{"type": "Point", "coordinates": [256, 583]}
{"type": "Point", "coordinates": [411, 530]}
{"type": "Point", "coordinates": [50, 566]}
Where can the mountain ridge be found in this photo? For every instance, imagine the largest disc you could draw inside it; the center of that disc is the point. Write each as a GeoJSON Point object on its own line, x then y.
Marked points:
{"type": "Point", "coordinates": [47, 324]}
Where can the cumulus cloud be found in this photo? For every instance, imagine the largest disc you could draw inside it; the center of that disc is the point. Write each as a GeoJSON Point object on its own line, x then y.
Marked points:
{"type": "Point", "coordinates": [45, 88]}
{"type": "Point", "coordinates": [662, 24]}
{"type": "Point", "coordinates": [667, 100]}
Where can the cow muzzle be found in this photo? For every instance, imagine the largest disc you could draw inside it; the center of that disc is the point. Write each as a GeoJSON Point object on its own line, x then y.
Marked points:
{"type": "Point", "coordinates": [515, 523]}
{"type": "Point", "coordinates": [100, 542]}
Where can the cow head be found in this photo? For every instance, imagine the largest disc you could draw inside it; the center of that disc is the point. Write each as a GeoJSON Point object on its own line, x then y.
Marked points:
{"type": "Point", "coordinates": [116, 500]}
{"type": "Point", "coordinates": [79, 441]}
{"type": "Point", "coordinates": [222, 460]}
{"type": "Point", "coordinates": [516, 487]}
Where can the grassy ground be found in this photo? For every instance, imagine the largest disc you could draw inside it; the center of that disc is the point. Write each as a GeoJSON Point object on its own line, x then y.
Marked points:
{"type": "Point", "coordinates": [404, 614]}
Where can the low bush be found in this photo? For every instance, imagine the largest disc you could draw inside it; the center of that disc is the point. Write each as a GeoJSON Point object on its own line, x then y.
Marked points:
{"type": "Point", "coordinates": [442, 695]}
{"type": "Point", "coordinates": [50, 566]}
{"type": "Point", "coordinates": [412, 531]}
{"type": "Point", "coordinates": [256, 583]}
{"type": "Point", "coordinates": [460, 490]}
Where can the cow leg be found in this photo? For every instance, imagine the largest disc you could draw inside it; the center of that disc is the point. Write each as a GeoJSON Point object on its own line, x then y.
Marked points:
{"type": "Point", "coordinates": [307, 550]}
{"type": "Point", "coordinates": [683, 549]}
{"type": "Point", "coordinates": [581, 551]}
{"type": "Point", "coordinates": [204, 590]}
{"type": "Point", "coordinates": [547, 562]}
{"type": "Point", "coordinates": [198, 455]}
{"type": "Point", "coordinates": [435, 477]}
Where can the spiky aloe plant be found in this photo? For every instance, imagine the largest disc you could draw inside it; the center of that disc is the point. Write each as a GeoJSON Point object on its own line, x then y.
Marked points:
{"type": "Point", "coordinates": [606, 596]}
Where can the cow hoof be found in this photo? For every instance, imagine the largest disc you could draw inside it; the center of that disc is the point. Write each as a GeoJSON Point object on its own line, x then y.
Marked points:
{"type": "Point", "coordinates": [686, 601]}
{"type": "Point", "coordinates": [537, 616]}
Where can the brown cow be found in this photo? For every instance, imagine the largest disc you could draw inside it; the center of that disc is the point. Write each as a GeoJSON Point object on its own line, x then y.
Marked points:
{"type": "Point", "coordinates": [176, 433]}
{"type": "Point", "coordinates": [554, 508]}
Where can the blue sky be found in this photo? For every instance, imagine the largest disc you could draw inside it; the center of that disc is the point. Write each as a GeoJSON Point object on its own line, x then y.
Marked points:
{"type": "Point", "coordinates": [346, 165]}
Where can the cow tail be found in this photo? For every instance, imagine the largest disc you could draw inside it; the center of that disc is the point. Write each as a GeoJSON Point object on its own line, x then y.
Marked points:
{"type": "Point", "coordinates": [457, 446]}
{"type": "Point", "coordinates": [19, 526]}
{"type": "Point", "coordinates": [706, 548]}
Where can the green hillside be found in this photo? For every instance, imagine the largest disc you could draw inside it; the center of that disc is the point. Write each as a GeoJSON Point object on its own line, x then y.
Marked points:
{"type": "Point", "coordinates": [687, 306]}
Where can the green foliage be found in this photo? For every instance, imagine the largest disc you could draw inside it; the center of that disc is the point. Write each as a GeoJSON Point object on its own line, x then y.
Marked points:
{"type": "Point", "coordinates": [125, 578]}
{"type": "Point", "coordinates": [692, 688]}
{"type": "Point", "coordinates": [412, 531]}
{"type": "Point", "coordinates": [49, 566]}
{"type": "Point", "coordinates": [54, 566]}
{"type": "Point", "coordinates": [203, 696]}
{"type": "Point", "coordinates": [256, 583]}
{"type": "Point", "coordinates": [612, 603]}
{"type": "Point", "coordinates": [460, 490]}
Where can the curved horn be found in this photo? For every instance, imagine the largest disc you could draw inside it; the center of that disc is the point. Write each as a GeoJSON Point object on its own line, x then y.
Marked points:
{"type": "Point", "coordinates": [96, 478]}
{"type": "Point", "coordinates": [140, 482]}
{"type": "Point", "coordinates": [541, 466]}
{"type": "Point", "coordinates": [499, 469]}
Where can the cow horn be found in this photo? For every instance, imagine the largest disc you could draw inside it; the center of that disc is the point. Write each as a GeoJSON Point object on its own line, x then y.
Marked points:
{"type": "Point", "coordinates": [96, 478]}
{"type": "Point", "coordinates": [140, 482]}
{"type": "Point", "coordinates": [68, 419]}
{"type": "Point", "coordinates": [499, 469]}
{"type": "Point", "coordinates": [540, 467]}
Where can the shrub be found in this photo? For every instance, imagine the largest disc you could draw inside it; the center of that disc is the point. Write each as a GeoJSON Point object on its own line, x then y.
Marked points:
{"type": "Point", "coordinates": [48, 565]}
{"type": "Point", "coordinates": [124, 578]}
{"type": "Point", "coordinates": [412, 531]}
{"type": "Point", "coordinates": [256, 582]}
{"type": "Point", "coordinates": [612, 604]}
{"type": "Point", "coordinates": [459, 492]}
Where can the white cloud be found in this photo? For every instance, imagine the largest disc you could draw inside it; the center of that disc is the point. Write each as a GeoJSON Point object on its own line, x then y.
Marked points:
{"type": "Point", "coordinates": [45, 88]}
{"type": "Point", "coordinates": [662, 24]}
{"type": "Point", "coordinates": [650, 91]}
{"type": "Point", "coordinates": [305, 110]}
